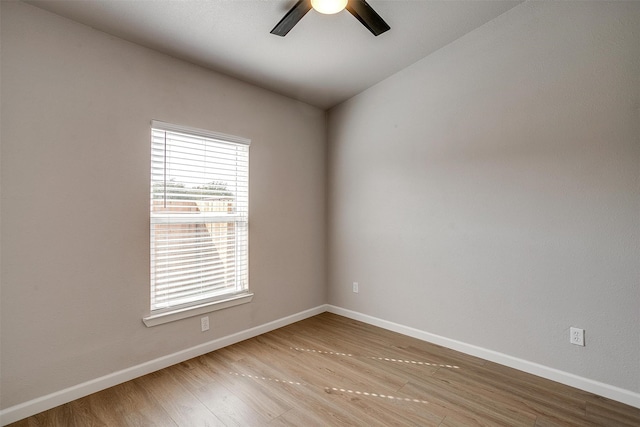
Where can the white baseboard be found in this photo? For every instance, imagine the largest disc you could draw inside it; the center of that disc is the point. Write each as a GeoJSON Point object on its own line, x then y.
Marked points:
{"type": "Point", "coordinates": [32, 407]}
{"type": "Point", "coordinates": [35, 406]}
{"type": "Point", "coordinates": [591, 386]}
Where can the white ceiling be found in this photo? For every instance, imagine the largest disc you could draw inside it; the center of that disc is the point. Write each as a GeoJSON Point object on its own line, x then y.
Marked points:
{"type": "Point", "coordinates": [323, 61]}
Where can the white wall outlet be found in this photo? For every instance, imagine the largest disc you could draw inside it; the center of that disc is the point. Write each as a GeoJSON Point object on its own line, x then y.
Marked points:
{"type": "Point", "coordinates": [204, 323]}
{"type": "Point", "coordinates": [576, 336]}
{"type": "Point", "coordinates": [355, 287]}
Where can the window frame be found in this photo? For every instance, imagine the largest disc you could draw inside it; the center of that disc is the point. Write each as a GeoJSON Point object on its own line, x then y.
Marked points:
{"type": "Point", "coordinates": [224, 299]}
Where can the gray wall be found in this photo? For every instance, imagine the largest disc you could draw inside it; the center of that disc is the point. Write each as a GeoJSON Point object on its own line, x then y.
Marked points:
{"type": "Point", "coordinates": [490, 193]}
{"type": "Point", "coordinates": [76, 111]}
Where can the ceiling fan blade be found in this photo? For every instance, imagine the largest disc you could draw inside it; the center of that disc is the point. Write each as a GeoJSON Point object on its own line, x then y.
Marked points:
{"type": "Point", "coordinates": [367, 16]}
{"type": "Point", "coordinates": [292, 17]}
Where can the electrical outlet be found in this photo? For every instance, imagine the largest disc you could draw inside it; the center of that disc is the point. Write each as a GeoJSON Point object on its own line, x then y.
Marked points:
{"type": "Point", "coordinates": [576, 336]}
{"type": "Point", "coordinates": [355, 287]}
{"type": "Point", "coordinates": [204, 323]}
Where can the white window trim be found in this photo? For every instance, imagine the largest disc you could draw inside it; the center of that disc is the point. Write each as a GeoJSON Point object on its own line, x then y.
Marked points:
{"type": "Point", "coordinates": [227, 301]}
{"type": "Point", "coordinates": [196, 310]}
{"type": "Point", "coordinates": [199, 132]}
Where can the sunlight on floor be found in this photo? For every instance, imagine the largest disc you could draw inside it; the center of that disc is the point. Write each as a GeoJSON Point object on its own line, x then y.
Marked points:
{"type": "Point", "coordinates": [255, 377]}
{"type": "Point", "coordinates": [330, 390]}
{"type": "Point", "coordinates": [365, 393]}
{"type": "Point", "coordinates": [384, 359]}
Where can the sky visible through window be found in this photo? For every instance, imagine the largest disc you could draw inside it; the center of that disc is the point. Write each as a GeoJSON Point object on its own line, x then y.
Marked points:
{"type": "Point", "coordinates": [196, 166]}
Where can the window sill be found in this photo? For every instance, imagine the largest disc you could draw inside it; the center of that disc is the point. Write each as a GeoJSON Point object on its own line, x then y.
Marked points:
{"type": "Point", "coordinates": [183, 313]}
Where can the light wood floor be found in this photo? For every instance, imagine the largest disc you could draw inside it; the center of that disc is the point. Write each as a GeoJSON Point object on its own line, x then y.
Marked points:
{"type": "Point", "coordinates": [329, 370]}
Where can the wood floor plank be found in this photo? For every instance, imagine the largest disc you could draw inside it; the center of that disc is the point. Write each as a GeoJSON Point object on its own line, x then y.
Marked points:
{"type": "Point", "coordinates": [462, 402]}
{"type": "Point", "coordinates": [296, 417]}
{"type": "Point", "coordinates": [289, 389]}
{"type": "Point", "coordinates": [561, 391]}
{"type": "Point", "coordinates": [551, 421]}
{"type": "Point", "coordinates": [392, 409]}
{"type": "Point", "coordinates": [332, 371]}
{"type": "Point", "coordinates": [128, 405]}
{"type": "Point", "coordinates": [253, 393]}
{"type": "Point", "coordinates": [199, 378]}
{"type": "Point", "coordinates": [60, 415]}
{"type": "Point", "coordinates": [228, 407]}
{"type": "Point", "coordinates": [313, 393]}
{"type": "Point", "coordinates": [179, 403]}
{"type": "Point", "coordinates": [602, 411]}
{"type": "Point", "coordinates": [521, 396]}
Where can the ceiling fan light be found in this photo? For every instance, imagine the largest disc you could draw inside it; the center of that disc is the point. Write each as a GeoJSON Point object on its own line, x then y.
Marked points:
{"type": "Point", "coordinates": [329, 7]}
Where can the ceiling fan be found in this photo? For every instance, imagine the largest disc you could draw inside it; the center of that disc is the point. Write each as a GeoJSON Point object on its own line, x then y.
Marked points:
{"type": "Point", "coordinates": [358, 8]}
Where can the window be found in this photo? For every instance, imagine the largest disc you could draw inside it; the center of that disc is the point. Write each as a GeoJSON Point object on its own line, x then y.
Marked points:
{"type": "Point", "coordinates": [199, 222]}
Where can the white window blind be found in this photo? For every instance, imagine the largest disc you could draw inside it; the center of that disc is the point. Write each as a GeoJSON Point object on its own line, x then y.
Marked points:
{"type": "Point", "coordinates": [199, 216]}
